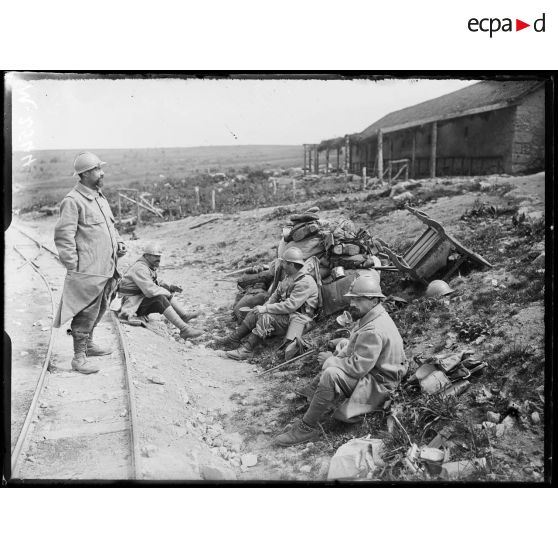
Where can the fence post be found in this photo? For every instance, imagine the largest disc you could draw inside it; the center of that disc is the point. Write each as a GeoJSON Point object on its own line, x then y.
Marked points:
{"type": "Point", "coordinates": [213, 200]}
{"type": "Point", "coordinates": [197, 192]}
{"type": "Point", "coordinates": [363, 178]}
{"type": "Point", "coordinates": [274, 182]}
{"type": "Point", "coordinates": [138, 206]}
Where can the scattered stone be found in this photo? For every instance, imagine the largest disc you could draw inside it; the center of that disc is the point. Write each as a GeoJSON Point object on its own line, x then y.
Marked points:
{"type": "Point", "coordinates": [90, 419]}
{"type": "Point", "coordinates": [458, 470]}
{"type": "Point", "coordinates": [306, 468]}
{"type": "Point", "coordinates": [493, 417]}
{"type": "Point", "coordinates": [249, 460]}
{"type": "Point", "coordinates": [487, 425]}
{"type": "Point", "coordinates": [124, 413]}
{"type": "Point", "coordinates": [149, 450]}
{"type": "Point", "coordinates": [233, 441]}
{"type": "Point", "coordinates": [235, 461]}
{"type": "Point", "coordinates": [539, 261]}
{"type": "Point", "coordinates": [479, 340]}
{"type": "Point", "coordinates": [216, 473]}
{"type": "Point", "coordinates": [535, 418]}
{"type": "Point", "coordinates": [291, 396]}
{"type": "Point", "coordinates": [23, 353]}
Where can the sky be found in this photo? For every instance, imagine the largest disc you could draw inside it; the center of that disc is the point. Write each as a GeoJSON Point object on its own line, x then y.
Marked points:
{"type": "Point", "coordinates": [132, 113]}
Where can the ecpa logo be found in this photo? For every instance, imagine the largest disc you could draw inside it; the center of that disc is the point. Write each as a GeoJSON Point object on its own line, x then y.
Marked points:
{"type": "Point", "coordinates": [492, 25]}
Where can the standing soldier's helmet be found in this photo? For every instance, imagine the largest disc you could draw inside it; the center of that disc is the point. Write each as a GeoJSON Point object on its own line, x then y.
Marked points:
{"type": "Point", "coordinates": [366, 286]}
{"type": "Point", "coordinates": [86, 161]}
{"type": "Point", "coordinates": [293, 255]}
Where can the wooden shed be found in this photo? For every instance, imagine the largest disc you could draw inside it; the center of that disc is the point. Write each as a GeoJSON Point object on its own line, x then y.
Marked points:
{"type": "Point", "coordinates": [488, 127]}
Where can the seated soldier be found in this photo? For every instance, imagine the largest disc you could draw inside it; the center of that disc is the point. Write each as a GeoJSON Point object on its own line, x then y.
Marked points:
{"type": "Point", "coordinates": [366, 369]}
{"type": "Point", "coordinates": [291, 306]}
{"type": "Point", "coordinates": [143, 293]}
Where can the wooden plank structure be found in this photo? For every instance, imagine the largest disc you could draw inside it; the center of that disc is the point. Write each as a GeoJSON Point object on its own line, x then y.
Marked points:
{"type": "Point", "coordinates": [430, 252]}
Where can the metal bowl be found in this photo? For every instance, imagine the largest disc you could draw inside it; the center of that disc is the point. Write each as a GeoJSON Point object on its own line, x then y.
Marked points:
{"type": "Point", "coordinates": [337, 272]}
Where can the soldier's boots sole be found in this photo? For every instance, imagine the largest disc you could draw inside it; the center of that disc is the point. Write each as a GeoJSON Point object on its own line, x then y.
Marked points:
{"type": "Point", "coordinates": [83, 367]}
{"type": "Point", "coordinates": [298, 434]}
{"type": "Point", "coordinates": [190, 333]}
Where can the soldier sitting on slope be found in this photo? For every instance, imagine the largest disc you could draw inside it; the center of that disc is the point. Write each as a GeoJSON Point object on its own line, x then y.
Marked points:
{"type": "Point", "coordinates": [291, 306]}
{"type": "Point", "coordinates": [143, 293]}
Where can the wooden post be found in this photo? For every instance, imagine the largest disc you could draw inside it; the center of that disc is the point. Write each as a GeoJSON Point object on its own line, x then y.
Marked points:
{"type": "Point", "coordinates": [338, 157]}
{"type": "Point", "coordinates": [380, 157]}
{"type": "Point", "coordinates": [390, 167]}
{"type": "Point", "coordinates": [413, 153]}
{"type": "Point", "coordinates": [197, 191]}
{"type": "Point", "coordinates": [316, 161]}
{"type": "Point", "coordinates": [213, 200]}
{"type": "Point", "coordinates": [433, 142]}
{"type": "Point", "coordinates": [363, 178]}
{"type": "Point", "coordinates": [119, 210]}
{"type": "Point", "coordinates": [304, 159]}
{"type": "Point", "coordinates": [139, 208]}
{"type": "Point", "coordinates": [407, 170]}
{"type": "Point", "coordinates": [347, 150]}
{"type": "Point", "coordinates": [327, 161]}
{"type": "Point", "coordinates": [274, 182]}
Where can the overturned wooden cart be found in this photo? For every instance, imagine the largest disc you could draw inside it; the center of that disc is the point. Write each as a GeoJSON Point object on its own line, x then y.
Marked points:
{"type": "Point", "coordinates": [431, 252]}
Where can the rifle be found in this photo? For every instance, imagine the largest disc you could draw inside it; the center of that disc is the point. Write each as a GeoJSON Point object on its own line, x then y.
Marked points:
{"type": "Point", "coordinates": [246, 270]}
{"type": "Point", "coordinates": [307, 353]}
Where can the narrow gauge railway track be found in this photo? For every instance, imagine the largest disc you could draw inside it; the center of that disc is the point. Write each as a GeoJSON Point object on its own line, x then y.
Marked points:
{"type": "Point", "coordinates": [65, 425]}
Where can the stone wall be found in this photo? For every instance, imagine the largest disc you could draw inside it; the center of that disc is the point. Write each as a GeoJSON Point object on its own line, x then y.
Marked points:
{"type": "Point", "coordinates": [528, 154]}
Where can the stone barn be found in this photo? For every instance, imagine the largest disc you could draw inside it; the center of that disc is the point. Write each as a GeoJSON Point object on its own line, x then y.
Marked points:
{"type": "Point", "coordinates": [485, 128]}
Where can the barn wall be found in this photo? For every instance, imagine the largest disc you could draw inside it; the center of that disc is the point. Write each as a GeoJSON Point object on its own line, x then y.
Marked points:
{"type": "Point", "coordinates": [476, 144]}
{"type": "Point", "coordinates": [528, 142]}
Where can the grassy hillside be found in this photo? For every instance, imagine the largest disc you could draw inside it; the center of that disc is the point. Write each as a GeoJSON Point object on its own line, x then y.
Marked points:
{"type": "Point", "coordinates": [49, 177]}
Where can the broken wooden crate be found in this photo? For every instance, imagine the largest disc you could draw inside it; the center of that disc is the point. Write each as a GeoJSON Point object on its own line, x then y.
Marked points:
{"type": "Point", "coordinates": [431, 252]}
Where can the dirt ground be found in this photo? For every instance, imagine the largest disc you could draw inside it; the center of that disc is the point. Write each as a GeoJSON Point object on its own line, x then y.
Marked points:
{"type": "Point", "coordinates": [206, 417]}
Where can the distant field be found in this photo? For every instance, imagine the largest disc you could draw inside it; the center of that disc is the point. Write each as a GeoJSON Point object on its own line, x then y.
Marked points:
{"type": "Point", "coordinates": [50, 175]}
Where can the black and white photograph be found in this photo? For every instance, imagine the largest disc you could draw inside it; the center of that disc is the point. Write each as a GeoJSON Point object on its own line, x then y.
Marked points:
{"type": "Point", "coordinates": [316, 279]}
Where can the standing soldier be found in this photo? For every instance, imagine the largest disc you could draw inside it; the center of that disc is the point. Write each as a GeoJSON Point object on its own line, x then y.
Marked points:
{"type": "Point", "coordinates": [89, 247]}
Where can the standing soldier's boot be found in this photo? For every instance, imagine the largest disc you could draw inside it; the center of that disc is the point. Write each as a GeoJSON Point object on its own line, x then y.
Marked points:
{"type": "Point", "coordinates": [186, 332]}
{"type": "Point", "coordinates": [93, 349]}
{"type": "Point", "coordinates": [232, 341]}
{"type": "Point", "coordinates": [246, 349]}
{"type": "Point", "coordinates": [79, 362]}
{"type": "Point", "coordinates": [185, 316]}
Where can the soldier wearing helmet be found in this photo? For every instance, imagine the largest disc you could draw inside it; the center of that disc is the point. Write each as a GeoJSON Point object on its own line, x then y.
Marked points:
{"type": "Point", "coordinates": [292, 304]}
{"type": "Point", "coordinates": [89, 247]}
{"type": "Point", "coordinates": [364, 369]}
{"type": "Point", "coordinates": [144, 293]}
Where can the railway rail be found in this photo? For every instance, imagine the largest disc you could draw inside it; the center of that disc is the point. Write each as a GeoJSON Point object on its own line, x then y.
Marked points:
{"type": "Point", "coordinates": [65, 425]}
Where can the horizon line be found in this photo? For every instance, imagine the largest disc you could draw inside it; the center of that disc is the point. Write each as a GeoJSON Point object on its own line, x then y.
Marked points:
{"type": "Point", "coordinates": [166, 147]}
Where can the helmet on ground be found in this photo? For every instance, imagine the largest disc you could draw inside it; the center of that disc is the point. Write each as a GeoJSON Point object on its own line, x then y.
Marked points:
{"type": "Point", "coordinates": [438, 288]}
{"type": "Point", "coordinates": [153, 249]}
{"type": "Point", "coordinates": [86, 161]}
{"type": "Point", "coordinates": [293, 255]}
{"type": "Point", "coordinates": [366, 286]}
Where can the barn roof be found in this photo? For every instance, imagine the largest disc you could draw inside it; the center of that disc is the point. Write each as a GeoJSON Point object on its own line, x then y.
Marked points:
{"type": "Point", "coordinates": [479, 97]}
{"type": "Point", "coordinates": [331, 143]}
